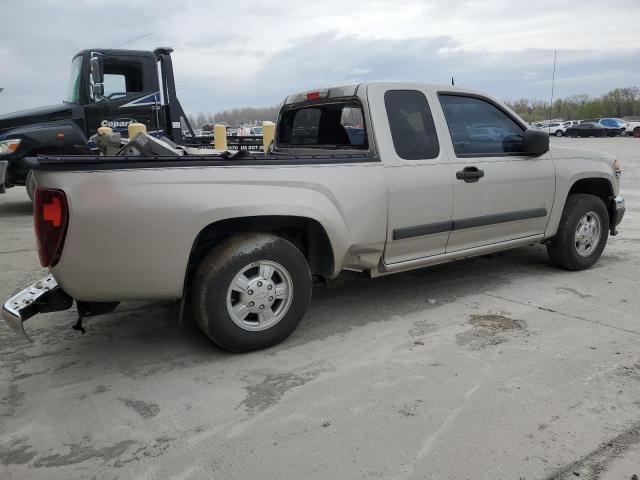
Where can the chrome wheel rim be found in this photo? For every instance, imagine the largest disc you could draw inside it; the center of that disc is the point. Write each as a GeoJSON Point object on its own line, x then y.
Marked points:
{"type": "Point", "coordinates": [588, 234]}
{"type": "Point", "coordinates": [259, 295]}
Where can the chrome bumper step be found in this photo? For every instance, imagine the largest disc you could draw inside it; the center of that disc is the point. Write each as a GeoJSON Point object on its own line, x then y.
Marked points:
{"type": "Point", "coordinates": [41, 297]}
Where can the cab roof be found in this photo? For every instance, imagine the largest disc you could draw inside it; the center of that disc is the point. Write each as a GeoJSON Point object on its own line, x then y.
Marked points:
{"type": "Point", "coordinates": [351, 90]}
{"type": "Point", "coordinates": [117, 52]}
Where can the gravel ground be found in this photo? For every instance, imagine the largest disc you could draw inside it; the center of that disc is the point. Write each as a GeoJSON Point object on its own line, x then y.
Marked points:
{"type": "Point", "coordinates": [495, 367]}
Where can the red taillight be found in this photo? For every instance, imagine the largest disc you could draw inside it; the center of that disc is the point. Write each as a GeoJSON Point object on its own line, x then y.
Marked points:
{"type": "Point", "coordinates": [50, 217]}
{"type": "Point", "coordinates": [313, 95]}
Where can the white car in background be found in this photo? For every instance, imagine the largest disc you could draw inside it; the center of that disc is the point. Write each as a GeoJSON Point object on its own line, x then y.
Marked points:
{"type": "Point", "coordinates": [633, 128]}
{"type": "Point", "coordinates": [557, 128]}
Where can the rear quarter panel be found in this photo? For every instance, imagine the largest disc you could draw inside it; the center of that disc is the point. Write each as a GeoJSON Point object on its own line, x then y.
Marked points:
{"type": "Point", "coordinates": [131, 231]}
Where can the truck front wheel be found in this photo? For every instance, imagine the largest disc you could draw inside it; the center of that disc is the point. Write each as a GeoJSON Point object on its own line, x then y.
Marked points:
{"type": "Point", "coordinates": [582, 233]}
{"type": "Point", "coordinates": [251, 291]}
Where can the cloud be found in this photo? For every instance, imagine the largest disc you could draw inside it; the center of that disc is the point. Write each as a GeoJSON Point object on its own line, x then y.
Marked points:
{"type": "Point", "coordinates": [255, 52]}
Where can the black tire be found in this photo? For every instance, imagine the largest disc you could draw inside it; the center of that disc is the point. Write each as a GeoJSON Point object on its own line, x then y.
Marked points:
{"type": "Point", "coordinates": [558, 133]}
{"type": "Point", "coordinates": [562, 249]}
{"type": "Point", "coordinates": [217, 271]}
{"type": "Point", "coordinates": [30, 184]}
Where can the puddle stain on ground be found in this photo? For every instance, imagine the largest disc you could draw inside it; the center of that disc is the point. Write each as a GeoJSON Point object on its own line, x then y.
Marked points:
{"type": "Point", "coordinates": [144, 409]}
{"type": "Point", "coordinates": [421, 328]}
{"type": "Point", "coordinates": [631, 372]}
{"type": "Point", "coordinates": [489, 329]}
{"type": "Point", "coordinates": [20, 452]}
{"type": "Point", "coordinates": [101, 389]}
{"type": "Point", "coordinates": [17, 452]}
{"type": "Point", "coordinates": [274, 386]}
{"type": "Point", "coordinates": [81, 452]}
{"type": "Point", "coordinates": [411, 409]}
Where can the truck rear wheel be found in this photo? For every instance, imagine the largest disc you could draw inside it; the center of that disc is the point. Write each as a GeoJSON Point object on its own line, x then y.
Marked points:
{"type": "Point", "coordinates": [582, 233]}
{"type": "Point", "coordinates": [251, 291]}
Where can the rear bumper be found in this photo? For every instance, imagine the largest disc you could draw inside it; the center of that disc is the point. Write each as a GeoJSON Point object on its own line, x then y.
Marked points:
{"type": "Point", "coordinates": [617, 209]}
{"type": "Point", "coordinates": [41, 297]}
{"type": "Point", "coordinates": [4, 165]}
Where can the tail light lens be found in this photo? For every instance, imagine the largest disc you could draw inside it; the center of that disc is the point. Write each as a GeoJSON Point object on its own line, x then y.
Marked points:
{"type": "Point", "coordinates": [50, 216]}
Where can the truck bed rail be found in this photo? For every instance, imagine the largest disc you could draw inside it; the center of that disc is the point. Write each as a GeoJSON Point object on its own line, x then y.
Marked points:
{"type": "Point", "coordinates": [94, 162]}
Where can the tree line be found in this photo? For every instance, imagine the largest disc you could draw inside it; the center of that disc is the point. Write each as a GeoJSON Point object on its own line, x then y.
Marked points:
{"type": "Point", "coordinates": [618, 103]}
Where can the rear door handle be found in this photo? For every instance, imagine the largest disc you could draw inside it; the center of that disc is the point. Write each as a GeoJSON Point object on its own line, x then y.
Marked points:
{"type": "Point", "coordinates": [470, 174]}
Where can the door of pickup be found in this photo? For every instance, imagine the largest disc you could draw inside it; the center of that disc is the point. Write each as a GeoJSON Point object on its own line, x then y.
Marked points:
{"type": "Point", "coordinates": [418, 174]}
{"type": "Point", "coordinates": [512, 199]}
{"type": "Point", "coordinates": [500, 193]}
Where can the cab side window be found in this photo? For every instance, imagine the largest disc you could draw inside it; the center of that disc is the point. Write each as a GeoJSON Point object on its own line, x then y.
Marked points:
{"type": "Point", "coordinates": [122, 78]}
{"type": "Point", "coordinates": [478, 127]}
{"type": "Point", "coordinates": [412, 129]}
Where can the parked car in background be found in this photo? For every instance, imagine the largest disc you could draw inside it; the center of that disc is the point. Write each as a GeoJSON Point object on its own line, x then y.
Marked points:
{"type": "Point", "coordinates": [492, 133]}
{"type": "Point", "coordinates": [556, 129]}
{"type": "Point", "coordinates": [586, 129]}
{"type": "Point", "coordinates": [616, 126]}
{"type": "Point", "coordinates": [633, 128]}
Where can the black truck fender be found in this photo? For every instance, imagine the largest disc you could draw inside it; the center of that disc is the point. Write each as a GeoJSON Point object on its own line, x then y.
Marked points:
{"type": "Point", "coordinates": [61, 137]}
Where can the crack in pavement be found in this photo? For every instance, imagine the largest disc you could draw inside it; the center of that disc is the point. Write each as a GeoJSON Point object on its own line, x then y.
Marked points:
{"type": "Point", "coordinates": [18, 251]}
{"type": "Point", "coordinates": [592, 465]}
{"type": "Point", "coordinates": [551, 310]}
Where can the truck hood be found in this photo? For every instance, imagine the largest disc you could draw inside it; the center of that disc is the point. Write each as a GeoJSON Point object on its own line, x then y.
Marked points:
{"type": "Point", "coordinates": [569, 153]}
{"type": "Point", "coordinates": [35, 115]}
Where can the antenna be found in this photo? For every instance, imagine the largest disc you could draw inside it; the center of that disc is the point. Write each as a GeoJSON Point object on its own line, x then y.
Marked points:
{"type": "Point", "coordinates": [553, 83]}
{"type": "Point", "coordinates": [452, 82]}
{"type": "Point", "coordinates": [134, 39]}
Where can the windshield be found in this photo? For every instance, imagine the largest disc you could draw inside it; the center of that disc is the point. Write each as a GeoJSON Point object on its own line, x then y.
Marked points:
{"type": "Point", "coordinates": [75, 78]}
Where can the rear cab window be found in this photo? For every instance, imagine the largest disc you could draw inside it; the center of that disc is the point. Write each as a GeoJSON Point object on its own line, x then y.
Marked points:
{"type": "Point", "coordinates": [412, 128]}
{"type": "Point", "coordinates": [480, 128]}
{"type": "Point", "coordinates": [334, 124]}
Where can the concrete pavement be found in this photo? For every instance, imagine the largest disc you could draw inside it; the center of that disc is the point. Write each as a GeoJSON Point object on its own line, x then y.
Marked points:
{"type": "Point", "coordinates": [495, 367]}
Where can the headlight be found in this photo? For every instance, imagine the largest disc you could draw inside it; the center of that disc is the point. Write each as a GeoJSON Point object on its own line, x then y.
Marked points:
{"type": "Point", "coordinates": [9, 146]}
{"type": "Point", "coordinates": [617, 168]}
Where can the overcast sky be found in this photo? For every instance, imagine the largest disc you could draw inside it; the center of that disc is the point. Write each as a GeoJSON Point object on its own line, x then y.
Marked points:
{"type": "Point", "coordinates": [255, 52]}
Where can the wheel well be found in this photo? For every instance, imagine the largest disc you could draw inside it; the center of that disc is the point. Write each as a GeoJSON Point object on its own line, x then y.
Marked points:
{"type": "Point", "coordinates": [306, 234]}
{"type": "Point", "coordinates": [600, 187]}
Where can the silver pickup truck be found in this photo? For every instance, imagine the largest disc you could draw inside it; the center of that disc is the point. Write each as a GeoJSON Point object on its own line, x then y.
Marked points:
{"type": "Point", "coordinates": [373, 178]}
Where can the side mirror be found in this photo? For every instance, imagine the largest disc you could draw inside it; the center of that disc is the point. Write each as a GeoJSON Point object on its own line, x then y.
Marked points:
{"type": "Point", "coordinates": [97, 69]}
{"type": "Point", "coordinates": [98, 89]}
{"type": "Point", "coordinates": [535, 142]}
